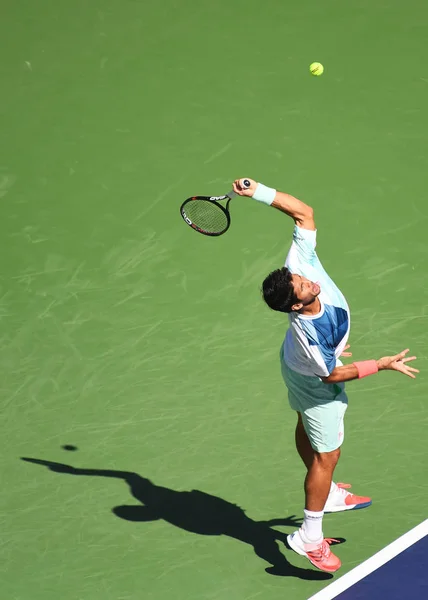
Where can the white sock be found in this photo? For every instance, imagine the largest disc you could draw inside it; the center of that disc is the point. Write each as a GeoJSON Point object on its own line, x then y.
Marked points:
{"type": "Point", "coordinates": [312, 525]}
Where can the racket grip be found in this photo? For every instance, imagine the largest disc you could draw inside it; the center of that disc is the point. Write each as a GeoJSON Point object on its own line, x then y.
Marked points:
{"type": "Point", "coordinates": [246, 184]}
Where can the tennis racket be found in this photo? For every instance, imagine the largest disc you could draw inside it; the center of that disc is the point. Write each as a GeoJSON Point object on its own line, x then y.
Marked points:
{"type": "Point", "coordinates": [209, 215]}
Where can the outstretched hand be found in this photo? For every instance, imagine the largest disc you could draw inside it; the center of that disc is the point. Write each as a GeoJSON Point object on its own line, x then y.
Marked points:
{"type": "Point", "coordinates": [398, 363]}
{"type": "Point", "coordinates": [238, 187]}
{"type": "Point", "coordinates": [291, 521]}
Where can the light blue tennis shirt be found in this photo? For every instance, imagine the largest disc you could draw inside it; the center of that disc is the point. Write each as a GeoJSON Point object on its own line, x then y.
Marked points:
{"type": "Point", "coordinates": [313, 344]}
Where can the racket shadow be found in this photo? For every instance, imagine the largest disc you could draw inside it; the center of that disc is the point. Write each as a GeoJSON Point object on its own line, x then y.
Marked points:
{"type": "Point", "coordinates": [199, 513]}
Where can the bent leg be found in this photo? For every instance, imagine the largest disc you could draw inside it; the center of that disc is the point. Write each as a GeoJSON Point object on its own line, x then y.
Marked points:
{"type": "Point", "coordinates": [318, 479]}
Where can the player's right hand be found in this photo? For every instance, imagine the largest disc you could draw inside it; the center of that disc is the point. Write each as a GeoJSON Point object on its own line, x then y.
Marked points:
{"type": "Point", "coordinates": [398, 363]}
{"type": "Point", "coordinates": [238, 187]}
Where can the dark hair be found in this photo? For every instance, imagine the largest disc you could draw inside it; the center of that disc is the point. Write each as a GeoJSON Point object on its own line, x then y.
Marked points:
{"type": "Point", "coordinates": [278, 291]}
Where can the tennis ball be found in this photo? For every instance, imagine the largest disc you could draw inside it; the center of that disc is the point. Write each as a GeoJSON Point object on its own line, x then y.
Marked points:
{"type": "Point", "coordinates": [316, 69]}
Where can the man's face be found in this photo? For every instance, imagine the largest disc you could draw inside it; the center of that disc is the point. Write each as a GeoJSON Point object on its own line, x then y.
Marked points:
{"type": "Point", "coordinates": [305, 290]}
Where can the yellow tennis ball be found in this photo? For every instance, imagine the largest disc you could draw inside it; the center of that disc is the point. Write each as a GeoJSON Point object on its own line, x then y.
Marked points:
{"type": "Point", "coordinates": [316, 68]}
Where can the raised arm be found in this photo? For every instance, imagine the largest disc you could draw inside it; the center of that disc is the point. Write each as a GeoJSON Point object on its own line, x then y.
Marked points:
{"type": "Point", "coordinates": [301, 213]}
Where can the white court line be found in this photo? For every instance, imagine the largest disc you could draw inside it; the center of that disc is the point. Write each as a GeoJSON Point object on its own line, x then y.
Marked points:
{"type": "Point", "coordinates": [373, 563]}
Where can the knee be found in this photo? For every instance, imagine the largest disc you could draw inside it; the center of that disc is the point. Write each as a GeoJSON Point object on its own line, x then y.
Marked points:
{"type": "Point", "coordinates": [327, 460]}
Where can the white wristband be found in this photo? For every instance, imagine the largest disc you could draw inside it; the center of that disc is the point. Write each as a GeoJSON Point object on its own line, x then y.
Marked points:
{"type": "Point", "coordinates": [264, 194]}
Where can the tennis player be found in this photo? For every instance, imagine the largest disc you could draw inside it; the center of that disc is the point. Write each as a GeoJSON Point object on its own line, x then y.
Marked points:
{"type": "Point", "coordinates": [319, 324]}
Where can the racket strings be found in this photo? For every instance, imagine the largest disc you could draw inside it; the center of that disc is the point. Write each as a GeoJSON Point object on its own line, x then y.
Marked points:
{"type": "Point", "coordinates": [207, 215]}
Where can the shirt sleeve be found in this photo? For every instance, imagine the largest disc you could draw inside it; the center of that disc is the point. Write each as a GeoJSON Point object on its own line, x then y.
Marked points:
{"type": "Point", "coordinates": [302, 251]}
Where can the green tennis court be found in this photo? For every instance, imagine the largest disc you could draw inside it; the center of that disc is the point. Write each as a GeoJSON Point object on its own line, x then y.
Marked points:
{"type": "Point", "coordinates": [147, 346]}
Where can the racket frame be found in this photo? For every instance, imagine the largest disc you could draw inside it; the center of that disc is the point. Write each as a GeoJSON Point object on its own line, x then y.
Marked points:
{"type": "Point", "coordinates": [215, 200]}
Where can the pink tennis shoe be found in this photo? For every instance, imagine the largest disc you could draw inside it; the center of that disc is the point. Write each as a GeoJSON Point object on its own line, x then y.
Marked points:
{"type": "Point", "coordinates": [318, 553]}
{"type": "Point", "coordinates": [339, 499]}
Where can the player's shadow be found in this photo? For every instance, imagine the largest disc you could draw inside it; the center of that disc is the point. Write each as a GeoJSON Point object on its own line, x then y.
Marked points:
{"type": "Point", "coordinates": [201, 513]}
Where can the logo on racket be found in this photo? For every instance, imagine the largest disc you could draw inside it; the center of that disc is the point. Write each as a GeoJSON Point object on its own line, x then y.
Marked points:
{"type": "Point", "coordinates": [186, 218]}
{"type": "Point", "coordinates": [217, 197]}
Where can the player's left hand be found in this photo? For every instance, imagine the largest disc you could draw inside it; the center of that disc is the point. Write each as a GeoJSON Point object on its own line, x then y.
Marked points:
{"type": "Point", "coordinates": [398, 363]}
{"type": "Point", "coordinates": [238, 187]}
{"type": "Point", "coordinates": [346, 353]}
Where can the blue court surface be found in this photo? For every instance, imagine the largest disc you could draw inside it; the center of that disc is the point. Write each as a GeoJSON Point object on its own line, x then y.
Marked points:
{"type": "Point", "coordinates": [398, 571]}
